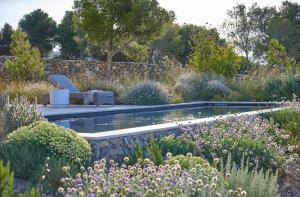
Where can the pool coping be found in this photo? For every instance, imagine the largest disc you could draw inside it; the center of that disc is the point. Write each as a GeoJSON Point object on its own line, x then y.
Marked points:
{"type": "Point", "coordinates": [166, 126]}
{"type": "Point", "coordinates": [98, 111]}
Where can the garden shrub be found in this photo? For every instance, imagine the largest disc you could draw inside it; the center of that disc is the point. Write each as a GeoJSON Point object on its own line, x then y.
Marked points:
{"type": "Point", "coordinates": [6, 180]}
{"type": "Point", "coordinates": [281, 88]}
{"type": "Point", "coordinates": [18, 113]}
{"type": "Point", "coordinates": [152, 151]}
{"type": "Point", "coordinates": [254, 150]}
{"type": "Point", "coordinates": [253, 136]}
{"type": "Point", "coordinates": [28, 147]}
{"type": "Point", "coordinates": [189, 161]}
{"type": "Point", "coordinates": [145, 179]}
{"type": "Point", "coordinates": [245, 90]}
{"type": "Point", "coordinates": [287, 119]}
{"type": "Point", "coordinates": [255, 183]}
{"type": "Point", "coordinates": [196, 87]}
{"type": "Point", "coordinates": [176, 145]}
{"type": "Point", "coordinates": [146, 93]}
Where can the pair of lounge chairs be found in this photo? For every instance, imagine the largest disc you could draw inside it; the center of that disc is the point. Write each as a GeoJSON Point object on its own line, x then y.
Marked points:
{"type": "Point", "coordinates": [98, 97]}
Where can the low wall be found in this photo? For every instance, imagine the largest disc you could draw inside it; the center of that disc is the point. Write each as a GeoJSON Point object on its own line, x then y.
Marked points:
{"type": "Point", "coordinates": [94, 68]}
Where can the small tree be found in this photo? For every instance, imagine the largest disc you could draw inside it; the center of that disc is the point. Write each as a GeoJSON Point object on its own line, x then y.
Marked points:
{"type": "Point", "coordinates": [115, 24]}
{"type": "Point", "coordinates": [27, 63]}
{"type": "Point", "coordinates": [277, 56]}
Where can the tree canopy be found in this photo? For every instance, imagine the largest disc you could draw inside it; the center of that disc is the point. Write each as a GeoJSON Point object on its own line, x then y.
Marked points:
{"type": "Point", "coordinates": [114, 24]}
{"type": "Point", "coordinates": [65, 37]}
{"type": "Point", "coordinates": [40, 29]}
{"type": "Point", "coordinates": [6, 33]}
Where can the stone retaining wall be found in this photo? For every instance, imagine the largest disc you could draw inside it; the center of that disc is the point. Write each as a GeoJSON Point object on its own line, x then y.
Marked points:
{"type": "Point", "coordinates": [94, 68]}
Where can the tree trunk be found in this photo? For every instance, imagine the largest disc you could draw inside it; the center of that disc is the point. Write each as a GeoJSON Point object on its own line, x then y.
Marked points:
{"type": "Point", "coordinates": [109, 62]}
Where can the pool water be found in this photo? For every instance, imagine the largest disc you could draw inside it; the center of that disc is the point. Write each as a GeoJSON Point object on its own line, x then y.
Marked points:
{"type": "Point", "coordinates": [138, 119]}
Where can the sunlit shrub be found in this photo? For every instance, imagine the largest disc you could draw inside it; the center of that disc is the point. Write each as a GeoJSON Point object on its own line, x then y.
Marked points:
{"type": "Point", "coordinates": [28, 147]}
{"type": "Point", "coordinates": [146, 93]}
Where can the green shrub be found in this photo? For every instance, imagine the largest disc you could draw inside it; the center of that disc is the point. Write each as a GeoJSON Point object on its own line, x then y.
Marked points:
{"type": "Point", "coordinates": [146, 93]}
{"type": "Point", "coordinates": [18, 113]}
{"type": "Point", "coordinates": [281, 88]}
{"type": "Point", "coordinates": [289, 120]}
{"type": "Point", "coordinates": [272, 89]}
{"type": "Point", "coordinates": [28, 147]}
{"type": "Point", "coordinates": [151, 151]}
{"type": "Point", "coordinates": [195, 87]}
{"type": "Point", "coordinates": [245, 90]}
{"type": "Point", "coordinates": [6, 180]}
{"type": "Point", "coordinates": [254, 150]}
{"type": "Point", "coordinates": [188, 162]}
{"type": "Point", "coordinates": [176, 145]}
{"type": "Point", "coordinates": [255, 183]}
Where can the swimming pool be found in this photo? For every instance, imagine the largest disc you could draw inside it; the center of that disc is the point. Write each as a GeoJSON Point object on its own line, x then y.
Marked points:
{"type": "Point", "coordinates": [109, 122]}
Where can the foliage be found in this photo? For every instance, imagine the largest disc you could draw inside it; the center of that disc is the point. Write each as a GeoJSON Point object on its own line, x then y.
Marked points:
{"type": "Point", "coordinates": [40, 29]}
{"type": "Point", "coordinates": [27, 63]}
{"type": "Point", "coordinates": [65, 37]}
{"type": "Point", "coordinates": [176, 146]}
{"type": "Point", "coordinates": [138, 152]}
{"type": "Point", "coordinates": [18, 113]}
{"type": "Point", "coordinates": [6, 33]}
{"type": "Point", "coordinates": [276, 55]}
{"type": "Point", "coordinates": [146, 93]}
{"type": "Point", "coordinates": [253, 149]}
{"type": "Point", "coordinates": [289, 120]}
{"type": "Point", "coordinates": [255, 183]}
{"type": "Point", "coordinates": [195, 87]}
{"type": "Point", "coordinates": [188, 162]}
{"type": "Point", "coordinates": [28, 147]}
{"type": "Point", "coordinates": [245, 90]}
{"type": "Point", "coordinates": [115, 24]}
{"type": "Point", "coordinates": [281, 88]}
{"type": "Point", "coordinates": [210, 56]}
{"type": "Point", "coordinates": [33, 91]}
{"type": "Point", "coordinates": [144, 180]}
{"type": "Point", "coordinates": [6, 180]}
{"type": "Point", "coordinates": [260, 140]}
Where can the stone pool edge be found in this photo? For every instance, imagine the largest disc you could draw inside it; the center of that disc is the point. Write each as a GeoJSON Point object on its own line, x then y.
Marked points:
{"type": "Point", "coordinates": [107, 135]}
{"type": "Point", "coordinates": [98, 111]}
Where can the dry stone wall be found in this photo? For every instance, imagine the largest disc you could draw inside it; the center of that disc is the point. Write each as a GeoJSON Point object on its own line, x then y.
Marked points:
{"type": "Point", "coordinates": [96, 68]}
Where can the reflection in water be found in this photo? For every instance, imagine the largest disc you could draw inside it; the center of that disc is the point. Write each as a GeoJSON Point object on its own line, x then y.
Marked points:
{"type": "Point", "coordinates": [129, 120]}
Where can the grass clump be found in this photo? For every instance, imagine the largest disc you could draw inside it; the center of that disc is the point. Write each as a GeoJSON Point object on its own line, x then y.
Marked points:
{"type": "Point", "coordinates": [146, 93]}
{"type": "Point", "coordinates": [197, 87]}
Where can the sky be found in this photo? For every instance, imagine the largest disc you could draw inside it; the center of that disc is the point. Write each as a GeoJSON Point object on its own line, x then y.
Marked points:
{"type": "Point", "coordinates": [199, 12]}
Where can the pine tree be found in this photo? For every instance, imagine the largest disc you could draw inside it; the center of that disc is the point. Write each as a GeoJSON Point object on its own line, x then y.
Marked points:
{"type": "Point", "coordinates": [26, 64]}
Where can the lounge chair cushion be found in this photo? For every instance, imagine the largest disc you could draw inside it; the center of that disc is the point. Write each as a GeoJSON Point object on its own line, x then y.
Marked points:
{"type": "Point", "coordinates": [63, 82]}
